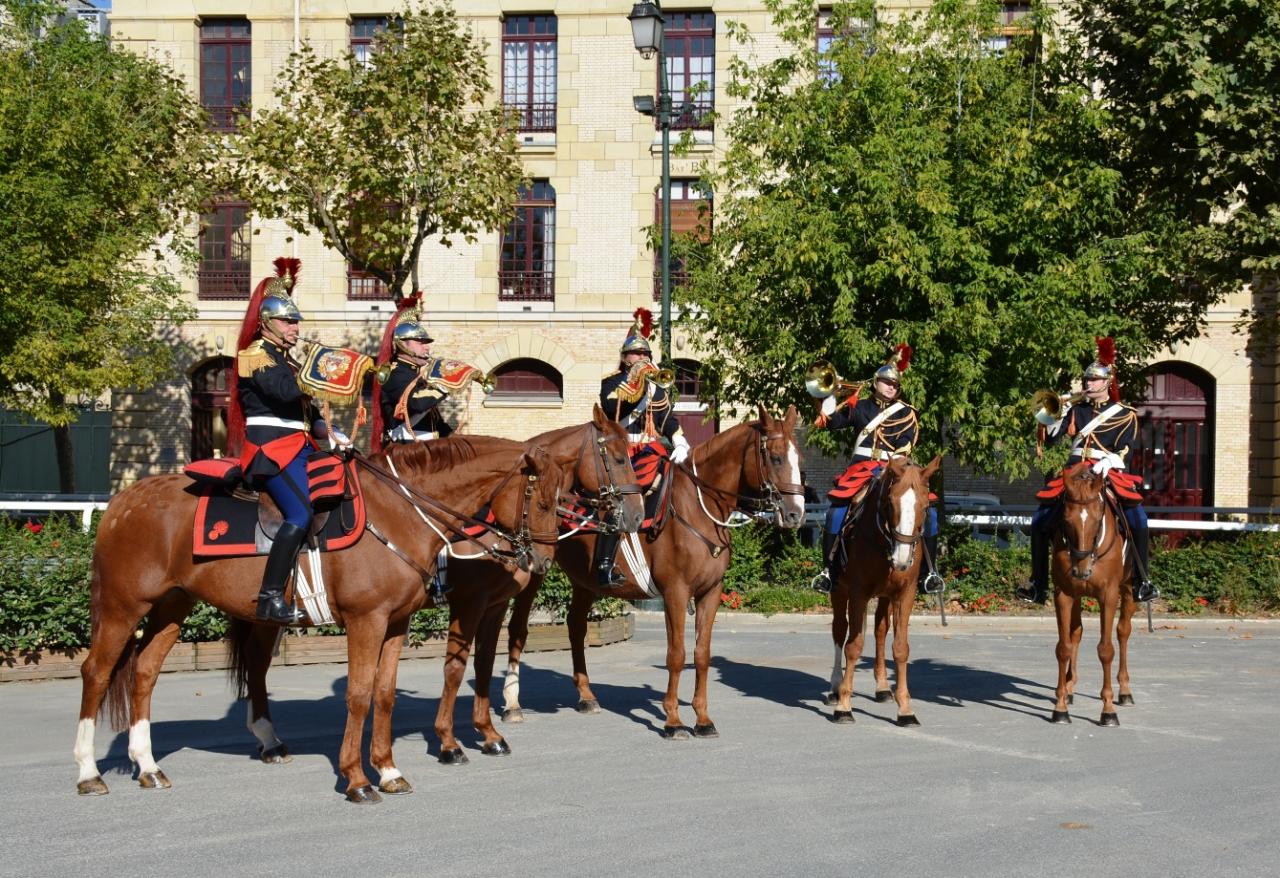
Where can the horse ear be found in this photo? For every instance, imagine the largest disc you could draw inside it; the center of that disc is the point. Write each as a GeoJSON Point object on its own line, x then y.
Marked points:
{"type": "Point", "coordinates": [597, 416]}
{"type": "Point", "coordinates": [789, 418]}
{"type": "Point", "coordinates": [932, 468]}
{"type": "Point", "coordinates": [764, 415]}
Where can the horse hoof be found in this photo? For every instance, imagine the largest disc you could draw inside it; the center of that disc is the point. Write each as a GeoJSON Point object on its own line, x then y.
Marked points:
{"type": "Point", "coordinates": [365, 795]}
{"type": "Point", "coordinates": [675, 733]}
{"type": "Point", "coordinates": [499, 747]}
{"type": "Point", "coordinates": [884, 695]}
{"type": "Point", "coordinates": [453, 757]}
{"type": "Point", "coordinates": [844, 717]}
{"type": "Point", "coordinates": [277, 755]}
{"type": "Point", "coordinates": [1109, 719]}
{"type": "Point", "coordinates": [92, 787]}
{"type": "Point", "coordinates": [830, 699]}
{"type": "Point", "coordinates": [515, 715]}
{"type": "Point", "coordinates": [907, 719]}
{"type": "Point", "coordinates": [1061, 717]}
{"type": "Point", "coordinates": [397, 786]}
{"type": "Point", "coordinates": [706, 731]}
{"type": "Point", "coordinates": [591, 706]}
{"type": "Point", "coordinates": [1125, 699]}
{"type": "Point", "coordinates": [154, 780]}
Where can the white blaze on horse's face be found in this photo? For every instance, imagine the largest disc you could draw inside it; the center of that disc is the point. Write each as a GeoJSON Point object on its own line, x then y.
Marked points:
{"type": "Point", "coordinates": [906, 527]}
{"type": "Point", "coordinates": [1084, 516]}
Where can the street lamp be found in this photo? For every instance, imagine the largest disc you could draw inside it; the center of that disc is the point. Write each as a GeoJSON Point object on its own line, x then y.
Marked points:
{"type": "Point", "coordinates": [646, 30]}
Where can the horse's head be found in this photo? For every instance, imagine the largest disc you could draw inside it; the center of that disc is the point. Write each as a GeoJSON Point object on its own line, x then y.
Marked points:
{"type": "Point", "coordinates": [527, 506]}
{"type": "Point", "coordinates": [606, 472]}
{"type": "Point", "coordinates": [903, 506]}
{"type": "Point", "coordinates": [1084, 515]}
{"type": "Point", "coordinates": [777, 476]}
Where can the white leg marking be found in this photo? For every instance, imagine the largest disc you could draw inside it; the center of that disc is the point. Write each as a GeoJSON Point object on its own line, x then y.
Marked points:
{"type": "Point", "coordinates": [837, 668]}
{"type": "Point", "coordinates": [140, 747]}
{"type": "Point", "coordinates": [264, 730]}
{"type": "Point", "coordinates": [511, 687]}
{"type": "Point", "coordinates": [83, 751]}
{"type": "Point", "coordinates": [906, 525]}
{"type": "Point", "coordinates": [794, 502]}
{"type": "Point", "coordinates": [388, 774]}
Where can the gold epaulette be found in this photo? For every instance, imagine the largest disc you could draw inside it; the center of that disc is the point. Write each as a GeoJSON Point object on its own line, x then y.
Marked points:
{"type": "Point", "coordinates": [630, 392]}
{"type": "Point", "coordinates": [252, 358]}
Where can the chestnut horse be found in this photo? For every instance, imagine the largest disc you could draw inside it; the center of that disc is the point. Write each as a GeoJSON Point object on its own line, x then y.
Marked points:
{"type": "Point", "coordinates": [1089, 561]}
{"type": "Point", "coordinates": [143, 566]}
{"type": "Point", "coordinates": [595, 471]}
{"type": "Point", "coordinates": [883, 551]}
{"type": "Point", "coordinates": [756, 463]}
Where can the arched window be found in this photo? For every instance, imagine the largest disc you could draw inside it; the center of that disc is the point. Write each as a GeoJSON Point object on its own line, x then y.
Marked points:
{"type": "Point", "coordinates": [528, 379]}
{"type": "Point", "coordinates": [210, 395]}
{"type": "Point", "coordinates": [1175, 445]}
{"type": "Point", "coordinates": [691, 411]}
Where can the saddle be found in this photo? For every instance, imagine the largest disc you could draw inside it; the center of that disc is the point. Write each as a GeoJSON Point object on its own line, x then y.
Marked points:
{"type": "Point", "coordinates": [233, 519]}
{"type": "Point", "coordinates": [1125, 487]}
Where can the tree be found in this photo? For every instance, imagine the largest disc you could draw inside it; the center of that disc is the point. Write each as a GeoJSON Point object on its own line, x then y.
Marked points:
{"type": "Point", "coordinates": [102, 155]}
{"type": "Point", "coordinates": [379, 158]}
{"type": "Point", "coordinates": [916, 185]}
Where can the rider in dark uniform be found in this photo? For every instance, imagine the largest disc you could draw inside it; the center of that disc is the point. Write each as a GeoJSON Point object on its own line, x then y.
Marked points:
{"type": "Point", "coordinates": [886, 428]}
{"type": "Point", "coordinates": [630, 397]}
{"type": "Point", "coordinates": [424, 421]}
{"type": "Point", "coordinates": [279, 421]}
{"type": "Point", "coordinates": [1105, 431]}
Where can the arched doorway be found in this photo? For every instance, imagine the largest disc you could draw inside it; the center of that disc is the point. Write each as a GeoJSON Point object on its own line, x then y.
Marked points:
{"type": "Point", "coordinates": [690, 410]}
{"type": "Point", "coordinates": [1175, 454]}
{"type": "Point", "coordinates": [210, 395]}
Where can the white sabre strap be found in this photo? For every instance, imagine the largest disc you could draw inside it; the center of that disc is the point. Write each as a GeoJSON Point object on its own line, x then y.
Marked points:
{"type": "Point", "coordinates": [268, 421]}
{"type": "Point", "coordinates": [879, 419]}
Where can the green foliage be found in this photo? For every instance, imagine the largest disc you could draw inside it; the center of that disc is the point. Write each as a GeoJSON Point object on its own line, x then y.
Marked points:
{"type": "Point", "coordinates": [933, 192]}
{"type": "Point", "coordinates": [102, 164]}
{"type": "Point", "coordinates": [979, 573]}
{"type": "Point", "coordinates": [1232, 574]}
{"type": "Point", "coordinates": [44, 578]}
{"type": "Point", "coordinates": [380, 158]}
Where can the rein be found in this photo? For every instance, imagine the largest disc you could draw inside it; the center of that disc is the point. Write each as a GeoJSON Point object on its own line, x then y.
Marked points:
{"type": "Point", "coordinates": [607, 499]}
{"type": "Point", "coordinates": [773, 493]}
{"type": "Point", "coordinates": [1093, 553]}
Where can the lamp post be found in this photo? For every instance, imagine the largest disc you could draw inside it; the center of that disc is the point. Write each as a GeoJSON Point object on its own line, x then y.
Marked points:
{"type": "Point", "coordinates": [646, 30]}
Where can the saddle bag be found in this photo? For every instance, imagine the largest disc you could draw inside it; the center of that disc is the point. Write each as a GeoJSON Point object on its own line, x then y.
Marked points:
{"type": "Point", "coordinates": [326, 479]}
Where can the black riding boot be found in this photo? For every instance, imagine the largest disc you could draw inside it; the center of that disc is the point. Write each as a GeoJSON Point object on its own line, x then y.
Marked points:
{"type": "Point", "coordinates": [271, 603]}
{"type": "Point", "coordinates": [827, 576]}
{"type": "Point", "coordinates": [607, 573]}
{"type": "Point", "coordinates": [930, 580]}
{"type": "Point", "coordinates": [1143, 590]}
{"type": "Point", "coordinates": [1037, 589]}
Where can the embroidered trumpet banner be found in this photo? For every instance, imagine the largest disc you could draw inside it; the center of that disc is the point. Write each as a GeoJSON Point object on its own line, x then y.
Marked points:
{"type": "Point", "coordinates": [333, 374]}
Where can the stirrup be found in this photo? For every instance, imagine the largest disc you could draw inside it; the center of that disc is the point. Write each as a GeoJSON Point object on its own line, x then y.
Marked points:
{"type": "Point", "coordinates": [1030, 593]}
{"type": "Point", "coordinates": [612, 578]}
{"type": "Point", "coordinates": [272, 608]}
{"type": "Point", "coordinates": [1145, 591]}
{"type": "Point", "coordinates": [933, 583]}
{"type": "Point", "coordinates": [821, 582]}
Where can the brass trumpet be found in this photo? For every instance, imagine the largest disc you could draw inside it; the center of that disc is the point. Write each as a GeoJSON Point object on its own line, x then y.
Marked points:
{"type": "Point", "coordinates": [1048, 406]}
{"type": "Point", "coordinates": [664, 378]}
{"type": "Point", "coordinates": [822, 380]}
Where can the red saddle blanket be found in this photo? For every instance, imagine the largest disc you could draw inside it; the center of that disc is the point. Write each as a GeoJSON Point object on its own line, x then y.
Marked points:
{"type": "Point", "coordinates": [1125, 485]}
{"type": "Point", "coordinates": [227, 524]}
{"type": "Point", "coordinates": [856, 477]}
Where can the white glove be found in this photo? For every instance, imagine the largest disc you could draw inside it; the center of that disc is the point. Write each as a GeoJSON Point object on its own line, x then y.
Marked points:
{"type": "Point", "coordinates": [828, 406]}
{"type": "Point", "coordinates": [338, 439]}
{"type": "Point", "coordinates": [1106, 464]}
{"type": "Point", "coordinates": [680, 448]}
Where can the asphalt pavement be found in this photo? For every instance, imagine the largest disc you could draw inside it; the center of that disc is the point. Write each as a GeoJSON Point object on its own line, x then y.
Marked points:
{"type": "Point", "coordinates": [985, 786]}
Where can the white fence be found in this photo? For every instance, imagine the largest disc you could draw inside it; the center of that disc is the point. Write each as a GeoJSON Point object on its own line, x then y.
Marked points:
{"type": "Point", "coordinates": [86, 508]}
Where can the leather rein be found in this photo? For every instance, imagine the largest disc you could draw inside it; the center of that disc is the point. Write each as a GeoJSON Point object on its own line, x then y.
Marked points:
{"type": "Point", "coordinates": [607, 500]}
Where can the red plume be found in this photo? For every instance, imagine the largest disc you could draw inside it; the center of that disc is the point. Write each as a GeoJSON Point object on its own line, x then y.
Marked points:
{"type": "Point", "coordinates": [288, 266]}
{"type": "Point", "coordinates": [904, 357]}
{"type": "Point", "coordinates": [1106, 350]}
{"type": "Point", "coordinates": [385, 353]}
{"type": "Point", "coordinates": [646, 321]}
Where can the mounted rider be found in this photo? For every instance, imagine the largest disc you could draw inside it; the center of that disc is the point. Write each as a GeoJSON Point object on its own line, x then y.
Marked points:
{"type": "Point", "coordinates": [631, 396]}
{"type": "Point", "coordinates": [1102, 430]}
{"type": "Point", "coordinates": [273, 422]}
{"type": "Point", "coordinates": [888, 427]}
{"type": "Point", "coordinates": [406, 403]}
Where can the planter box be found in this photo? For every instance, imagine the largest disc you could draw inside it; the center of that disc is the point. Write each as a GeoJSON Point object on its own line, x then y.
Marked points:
{"type": "Point", "coordinates": [213, 656]}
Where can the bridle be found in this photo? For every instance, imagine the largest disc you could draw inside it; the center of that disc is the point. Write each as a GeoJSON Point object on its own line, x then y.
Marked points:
{"type": "Point", "coordinates": [888, 530]}
{"type": "Point", "coordinates": [765, 501]}
{"type": "Point", "coordinates": [1097, 550]}
{"type": "Point", "coordinates": [607, 499]}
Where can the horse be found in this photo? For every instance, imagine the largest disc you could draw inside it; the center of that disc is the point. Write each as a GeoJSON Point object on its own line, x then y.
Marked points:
{"type": "Point", "coordinates": [143, 566]}
{"type": "Point", "coordinates": [595, 470]}
{"type": "Point", "coordinates": [1089, 561]}
{"type": "Point", "coordinates": [884, 563]}
{"type": "Point", "coordinates": [757, 463]}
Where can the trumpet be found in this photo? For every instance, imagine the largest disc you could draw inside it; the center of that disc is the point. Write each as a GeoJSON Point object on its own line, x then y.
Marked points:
{"type": "Point", "coordinates": [664, 378]}
{"type": "Point", "coordinates": [1048, 406]}
{"type": "Point", "coordinates": [822, 380]}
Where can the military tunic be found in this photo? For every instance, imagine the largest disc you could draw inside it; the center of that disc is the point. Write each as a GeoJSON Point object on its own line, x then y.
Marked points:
{"type": "Point", "coordinates": [424, 416]}
{"type": "Point", "coordinates": [630, 406]}
{"type": "Point", "coordinates": [279, 417]}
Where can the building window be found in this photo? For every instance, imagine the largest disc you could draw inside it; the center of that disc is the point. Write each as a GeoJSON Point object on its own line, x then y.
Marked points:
{"type": "Point", "coordinates": [225, 71]}
{"type": "Point", "coordinates": [697, 419]}
{"type": "Point", "coordinates": [529, 70]}
{"type": "Point", "coordinates": [527, 272]}
{"type": "Point", "coordinates": [224, 252]}
{"type": "Point", "coordinates": [830, 30]}
{"type": "Point", "coordinates": [528, 379]}
{"type": "Point", "coordinates": [1013, 23]}
{"type": "Point", "coordinates": [690, 216]}
{"type": "Point", "coordinates": [689, 40]}
{"type": "Point", "coordinates": [361, 285]}
{"type": "Point", "coordinates": [364, 28]}
{"type": "Point", "coordinates": [210, 393]}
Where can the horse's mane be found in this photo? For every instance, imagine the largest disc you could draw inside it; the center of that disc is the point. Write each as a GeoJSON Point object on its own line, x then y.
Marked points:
{"type": "Point", "coordinates": [712, 445]}
{"type": "Point", "coordinates": [435, 456]}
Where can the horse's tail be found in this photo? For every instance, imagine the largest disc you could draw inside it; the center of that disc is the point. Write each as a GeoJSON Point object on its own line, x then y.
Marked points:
{"type": "Point", "coordinates": [239, 634]}
{"type": "Point", "coordinates": [118, 702]}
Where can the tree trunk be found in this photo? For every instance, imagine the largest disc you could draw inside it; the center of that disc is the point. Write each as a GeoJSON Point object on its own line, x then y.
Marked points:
{"type": "Point", "coordinates": [64, 452]}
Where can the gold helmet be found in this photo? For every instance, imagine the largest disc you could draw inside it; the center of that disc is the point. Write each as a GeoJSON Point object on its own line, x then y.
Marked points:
{"type": "Point", "coordinates": [897, 363]}
{"type": "Point", "coordinates": [410, 329]}
{"type": "Point", "coordinates": [637, 341]}
{"type": "Point", "coordinates": [277, 297]}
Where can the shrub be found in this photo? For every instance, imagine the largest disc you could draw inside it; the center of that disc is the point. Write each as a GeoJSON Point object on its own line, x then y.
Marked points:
{"type": "Point", "coordinates": [44, 584]}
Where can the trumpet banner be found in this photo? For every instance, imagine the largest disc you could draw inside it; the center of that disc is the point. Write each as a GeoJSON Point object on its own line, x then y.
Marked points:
{"type": "Point", "coordinates": [333, 374]}
{"type": "Point", "coordinates": [452, 375]}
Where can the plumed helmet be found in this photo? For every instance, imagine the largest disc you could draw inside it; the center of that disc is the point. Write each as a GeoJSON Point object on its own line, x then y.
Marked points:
{"type": "Point", "coordinates": [1104, 366]}
{"type": "Point", "coordinates": [897, 363]}
{"type": "Point", "coordinates": [637, 341]}
{"type": "Point", "coordinates": [279, 307]}
{"type": "Point", "coordinates": [277, 295]}
{"type": "Point", "coordinates": [410, 329]}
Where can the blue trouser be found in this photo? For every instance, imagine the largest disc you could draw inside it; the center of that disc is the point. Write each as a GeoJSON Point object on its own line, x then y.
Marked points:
{"type": "Point", "coordinates": [835, 523]}
{"type": "Point", "coordinates": [289, 489]}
